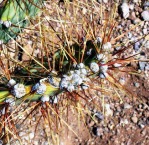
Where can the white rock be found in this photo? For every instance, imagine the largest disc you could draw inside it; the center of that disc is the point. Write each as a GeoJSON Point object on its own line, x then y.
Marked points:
{"type": "Point", "coordinates": [145, 15]}
{"type": "Point", "coordinates": [145, 31]}
{"type": "Point", "coordinates": [135, 1]}
{"type": "Point", "coordinates": [125, 10]}
{"type": "Point", "coordinates": [31, 135]}
{"type": "Point", "coordinates": [116, 64]}
{"type": "Point", "coordinates": [105, 1]}
{"type": "Point", "coordinates": [21, 133]}
{"type": "Point", "coordinates": [109, 112]}
{"type": "Point", "coordinates": [94, 67]}
{"type": "Point", "coordinates": [147, 44]}
{"type": "Point", "coordinates": [122, 81]}
{"type": "Point", "coordinates": [131, 6]}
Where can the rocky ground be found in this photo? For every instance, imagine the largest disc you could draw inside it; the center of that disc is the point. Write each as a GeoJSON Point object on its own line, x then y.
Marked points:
{"type": "Point", "coordinates": [126, 121]}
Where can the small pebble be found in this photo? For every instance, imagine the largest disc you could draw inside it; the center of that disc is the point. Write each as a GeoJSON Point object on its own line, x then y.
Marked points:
{"type": "Point", "coordinates": [99, 115]}
{"type": "Point", "coordinates": [31, 135]}
{"type": "Point", "coordinates": [135, 1]}
{"type": "Point", "coordinates": [146, 4]}
{"type": "Point", "coordinates": [123, 122]}
{"type": "Point", "coordinates": [142, 65]}
{"type": "Point", "coordinates": [125, 10]}
{"type": "Point", "coordinates": [147, 67]}
{"type": "Point", "coordinates": [134, 119]}
{"type": "Point", "coordinates": [145, 31]}
{"type": "Point", "coordinates": [145, 15]}
{"type": "Point", "coordinates": [1, 142]}
{"type": "Point", "coordinates": [109, 111]}
{"type": "Point", "coordinates": [137, 85]}
{"type": "Point", "coordinates": [146, 44]}
{"type": "Point", "coordinates": [141, 124]}
{"type": "Point", "coordinates": [105, 1]}
{"type": "Point", "coordinates": [127, 106]}
{"type": "Point", "coordinates": [137, 46]}
{"type": "Point", "coordinates": [122, 81]}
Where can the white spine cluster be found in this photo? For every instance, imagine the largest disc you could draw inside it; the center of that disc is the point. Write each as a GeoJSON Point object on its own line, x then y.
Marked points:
{"type": "Point", "coordinates": [107, 46]}
{"type": "Point", "coordinates": [11, 101]}
{"type": "Point", "coordinates": [40, 88]}
{"type": "Point", "coordinates": [103, 71]}
{"type": "Point", "coordinates": [19, 90]}
{"type": "Point", "coordinates": [100, 56]}
{"type": "Point", "coordinates": [74, 79]}
{"type": "Point", "coordinates": [94, 67]}
{"type": "Point", "coordinates": [45, 98]}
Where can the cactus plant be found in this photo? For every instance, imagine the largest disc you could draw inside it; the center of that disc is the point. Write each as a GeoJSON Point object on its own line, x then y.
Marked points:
{"type": "Point", "coordinates": [15, 15]}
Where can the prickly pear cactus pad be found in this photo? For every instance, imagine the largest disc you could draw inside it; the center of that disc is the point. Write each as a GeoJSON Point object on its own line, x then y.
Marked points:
{"type": "Point", "coordinates": [15, 15]}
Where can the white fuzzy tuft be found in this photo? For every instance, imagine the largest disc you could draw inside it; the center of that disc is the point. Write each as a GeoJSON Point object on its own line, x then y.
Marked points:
{"type": "Point", "coordinates": [19, 90]}
{"type": "Point", "coordinates": [70, 88]}
{"type": "Point", "coordinates": [11, 101]}
{"type": "Point", "coordinates": [94, 67]}
{"type": "Point", "coordinates": [104, 68]}
{"type": "Point", "coordinates": [45, 98]}
{"type": "Point", "coordinates": [107, 46]}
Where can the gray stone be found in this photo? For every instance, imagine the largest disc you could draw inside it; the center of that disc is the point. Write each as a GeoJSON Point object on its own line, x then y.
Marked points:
{"type": "Point", "coordinates": [127, 106]}
{"type": "Point", "coordinates": [98, 131]}
{"type": "Point", "coordinates": [137, 46]}
{"type": "Point", "coordinates": [137, 85]}
{"type": "Point", "coordinates": [146, 4]}
{"type": "Point", "coordinates": [99, 115]}
{"type": "Point", "coordinates": [142, 65]}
